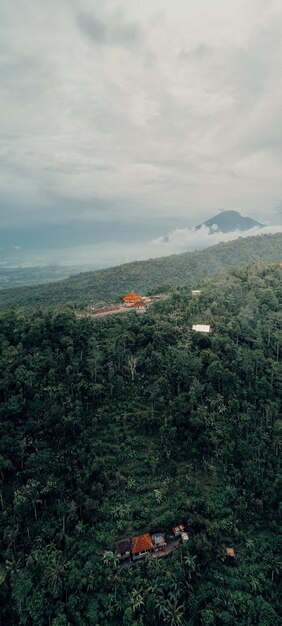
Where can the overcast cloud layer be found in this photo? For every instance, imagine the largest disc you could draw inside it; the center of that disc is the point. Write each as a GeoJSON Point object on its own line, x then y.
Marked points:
{"type": "Point", "coordinates": [129, 111]}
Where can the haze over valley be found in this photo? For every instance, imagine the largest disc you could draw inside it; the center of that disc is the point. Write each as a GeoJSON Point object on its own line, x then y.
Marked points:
{"type": "Point", "coordinates": [122, 243]}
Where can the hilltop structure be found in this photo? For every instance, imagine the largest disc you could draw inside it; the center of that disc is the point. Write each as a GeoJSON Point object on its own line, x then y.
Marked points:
{"type": "Point", "coordinates": [131, 298]}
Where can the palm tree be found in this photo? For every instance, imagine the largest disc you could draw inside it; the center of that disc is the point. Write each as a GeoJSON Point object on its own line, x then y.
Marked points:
{"type": "Point", "coordinates": [173, 613]}
{"type": "Point", "coordinates": [120, 511]}
{"type": "Point", "coordinates": [112, 607]}
{"type": "Point", "coordinates": [55, 571]}
{"type": "Point", "coordinates": [255, 584]}
{"type": "Point", "coordinates": [190, 562]}
{"type": "Point", "coordinates": [274, 564]}
{"type": "Point", "coordinates": [250, 544]}
{"type": "Point", "coordinates": [110, 559]}
{"type": "Point", "coordinates": [158, 495]}
{"type": "Point", "coordinates": [136, 600]}
{"type": "Point", "coordinates": [111, 562]}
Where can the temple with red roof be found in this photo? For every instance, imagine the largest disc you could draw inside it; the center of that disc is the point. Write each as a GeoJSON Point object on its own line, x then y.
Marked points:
{"type": "Point", "coordinates": [131, 298]}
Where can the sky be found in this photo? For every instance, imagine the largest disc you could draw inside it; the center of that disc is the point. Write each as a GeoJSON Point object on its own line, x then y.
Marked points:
{"type": "Point", "coordinates": [124, 123]}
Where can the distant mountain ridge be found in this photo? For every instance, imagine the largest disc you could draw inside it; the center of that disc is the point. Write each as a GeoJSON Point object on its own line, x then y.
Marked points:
{"type": "Point", "coordinates": [143, 276]}
{"type": "Point", "coordinates": [228, 221]}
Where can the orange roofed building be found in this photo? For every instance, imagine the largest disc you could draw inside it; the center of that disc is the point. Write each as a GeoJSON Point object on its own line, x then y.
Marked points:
{"type": "Point", "coordinates": [131, 298]}
{"type": "Point", "coordinates": [141, 545]}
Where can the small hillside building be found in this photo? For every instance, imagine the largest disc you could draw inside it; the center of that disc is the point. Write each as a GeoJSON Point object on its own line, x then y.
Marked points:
{"type": "Point", "coordinates": [123, 548]}
{"type": "Point", "coordinates": [202, 328]}
{"type": "Point", "coordinates": [158, 540]}
{"type": "Point", "coordinates": [177, 530]}
{"type": "Point", "coordinates": [141, 545]}
{"type": "Point", "coordinates": [180, 533]}
{"type": "Point", "coordinates": [196, 292]}
{"type": "Point", "coordinates": [140, 309]}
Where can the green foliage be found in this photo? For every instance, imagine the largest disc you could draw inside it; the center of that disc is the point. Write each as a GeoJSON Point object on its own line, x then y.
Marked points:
{"type": "Point", "coordinates": [90, 454]}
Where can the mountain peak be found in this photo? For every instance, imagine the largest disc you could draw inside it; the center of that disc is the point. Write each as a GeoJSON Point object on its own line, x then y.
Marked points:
{"type": "Point", "coordinates": [229, 221]}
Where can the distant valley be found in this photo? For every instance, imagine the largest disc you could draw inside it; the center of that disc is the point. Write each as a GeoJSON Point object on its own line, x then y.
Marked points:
{"type": "Point", "coordinates": [18, 276]}
{"type": "Point", "coordinates": [58, 255]}
{"type": "Point", "coordinates": [104, 286]}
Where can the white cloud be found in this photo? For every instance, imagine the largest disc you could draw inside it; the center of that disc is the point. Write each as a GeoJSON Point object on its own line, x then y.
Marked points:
{"type": "Point", "coordinates": [176, 104]}
{"type": "Point", "coordinates": [190, 239]}
{"type": "Point", "coordinates": [109, 254]}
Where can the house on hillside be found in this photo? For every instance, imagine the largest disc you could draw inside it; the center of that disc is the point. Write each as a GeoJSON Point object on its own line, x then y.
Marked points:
{"type": "Point", "coordinates": [131, 298]}
{"type": "Point", "coordinates": [123, 548]}
{"type": "Point", "coordinates": [140, 310]}
{"type": "Point", "coordinates": [202, 328]}
{"type": "Point", "coordinates": [184, 537]}
{"type": "Point", "coordinates": [141, 545]}
{"type": "Point", "coordinates": [177, 530]}
{"type": "Point", "coordinates": [196, 292]}
{"type": "Point", "coordinates": [180, 533]}
{"type": "Point", "coordinates": [158, 540]}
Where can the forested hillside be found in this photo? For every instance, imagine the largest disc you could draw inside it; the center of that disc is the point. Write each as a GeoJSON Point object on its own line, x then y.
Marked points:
{"type": "Point", "coordinates": [126, 425]}
{"type": "Point", "coordinates": [106, 285]}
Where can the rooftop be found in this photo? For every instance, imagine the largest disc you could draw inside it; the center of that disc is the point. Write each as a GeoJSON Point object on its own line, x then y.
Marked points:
{"type": "Point", "coordinates": [158, 539]}
{"type": "Point", "coordinates": [141, 543]}
{"type": "Point", "coordinates": [131, 297]}
{"type": "Point", "coordinates": [201, 328]}
{"type": "Point", "coordinates": [123, 546]}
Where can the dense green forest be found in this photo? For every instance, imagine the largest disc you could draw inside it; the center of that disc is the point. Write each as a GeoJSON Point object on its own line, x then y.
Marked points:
{"type": "Point", "coordinates": [143, 276]}
{"type": "Point", "coordinates": [130, 424]}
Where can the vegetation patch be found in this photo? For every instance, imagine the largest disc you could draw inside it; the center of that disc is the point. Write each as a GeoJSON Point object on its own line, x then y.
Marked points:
{"type": "Point", "coordinates": [91, 455]}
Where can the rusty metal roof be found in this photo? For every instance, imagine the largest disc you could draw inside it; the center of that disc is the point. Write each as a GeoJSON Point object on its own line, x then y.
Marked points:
{"type": "Point", "coordinates": [141, 543]}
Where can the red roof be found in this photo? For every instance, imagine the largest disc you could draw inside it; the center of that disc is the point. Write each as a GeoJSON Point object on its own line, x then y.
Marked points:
{"type": "Point", "coordinates": [141, 544]}
{"type": "Point", "coordinates": [138, 303]}
{"type": "Point", "coordinates": [131, 297]}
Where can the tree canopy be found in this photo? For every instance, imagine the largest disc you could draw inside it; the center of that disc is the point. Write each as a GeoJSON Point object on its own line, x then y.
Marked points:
{"type": "Point", "coordinates": [91, 453]}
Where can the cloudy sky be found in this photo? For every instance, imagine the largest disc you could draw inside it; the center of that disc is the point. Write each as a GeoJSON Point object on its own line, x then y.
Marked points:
{"type": "Point", "coordinates": [122, 120]}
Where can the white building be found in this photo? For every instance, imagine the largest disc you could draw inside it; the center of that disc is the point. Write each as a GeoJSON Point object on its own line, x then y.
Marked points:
{"type": "Point", "coordinates": [141, 309]}
{"type": "Point", "coordinates": [201, 328]}
{"type": "Point", "coordinates": [196, 292]}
